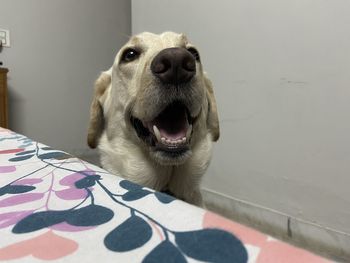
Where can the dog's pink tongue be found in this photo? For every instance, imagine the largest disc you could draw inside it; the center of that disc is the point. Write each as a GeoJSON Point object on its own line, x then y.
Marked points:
{"type": "Point", "coordinates": [173, 134]}
{"type": "Point", "coordinates": [172, 125]}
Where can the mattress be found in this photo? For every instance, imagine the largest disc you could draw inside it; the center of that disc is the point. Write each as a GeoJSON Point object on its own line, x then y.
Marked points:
{"type": "Point", "coordinates": [56, 207]}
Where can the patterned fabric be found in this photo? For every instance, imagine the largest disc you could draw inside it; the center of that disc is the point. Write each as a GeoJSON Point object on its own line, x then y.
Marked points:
{"type": "Point", "coordinates": [57, 207]}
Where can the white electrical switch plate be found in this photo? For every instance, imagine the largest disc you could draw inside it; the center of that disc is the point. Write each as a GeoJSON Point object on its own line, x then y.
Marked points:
{"type": "Point", "coordinates": [5, 37]}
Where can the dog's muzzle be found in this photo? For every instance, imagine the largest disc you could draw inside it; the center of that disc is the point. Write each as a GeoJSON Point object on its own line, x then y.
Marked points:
{"type": "Point", "coordinates": [170, 131]}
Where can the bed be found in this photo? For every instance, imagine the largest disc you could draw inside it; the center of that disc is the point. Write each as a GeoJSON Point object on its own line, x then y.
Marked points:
{"type": "Point", "coordinates": [55, 207]}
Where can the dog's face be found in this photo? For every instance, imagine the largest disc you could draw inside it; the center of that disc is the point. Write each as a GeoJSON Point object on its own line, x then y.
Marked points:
{"type": "Point", "coordinates": [158, 96]}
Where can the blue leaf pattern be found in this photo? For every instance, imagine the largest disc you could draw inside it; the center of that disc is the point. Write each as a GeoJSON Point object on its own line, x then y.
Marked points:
{"type": "Point", "coordinates": [87, 182]}
{"type": "Point", "coordinates": [164, 198]}
{"type": "Point", "coordinates": [39, 221]}
{"type": "Point", "coordinates": [131, 234]}
{"type": "Point", "coordinates": [133, 195]}
{"type": "Point", "coordinates": [165, 252]}
{"type": "Point", "coordinates": [16, 189]}
{"type": "Point", "coordinates": [53, 155]}
{"type": "Point", "coordinates": [21, 158]}
{"type": "Point", "coordinates": [91, 215]}
{"type": "Point", "coordinates": [203, 245]}
{"type": "Point", "coordinates": [129, 185]}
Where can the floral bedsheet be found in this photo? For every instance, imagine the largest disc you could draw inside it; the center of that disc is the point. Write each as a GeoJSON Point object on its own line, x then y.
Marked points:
{"type": "Point", "coordinates": [55, 207]}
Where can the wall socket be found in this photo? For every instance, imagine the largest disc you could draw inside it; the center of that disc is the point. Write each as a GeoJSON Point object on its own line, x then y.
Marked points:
{"type": "Point", "coordinates": [5, 37]}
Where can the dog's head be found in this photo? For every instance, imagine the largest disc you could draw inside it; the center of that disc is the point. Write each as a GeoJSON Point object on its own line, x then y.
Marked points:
{"type": "Point", "coordinates": [157, 93]}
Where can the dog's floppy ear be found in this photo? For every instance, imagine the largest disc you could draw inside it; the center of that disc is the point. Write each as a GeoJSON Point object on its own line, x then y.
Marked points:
{"type": "Point", "coordinates": [212, 117]}
{"type": "Point", "coordinates": [96, 124]}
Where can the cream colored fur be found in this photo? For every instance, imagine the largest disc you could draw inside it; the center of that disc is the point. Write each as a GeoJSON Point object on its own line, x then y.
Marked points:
{"type": "Point", "coordinates": [131, 89]}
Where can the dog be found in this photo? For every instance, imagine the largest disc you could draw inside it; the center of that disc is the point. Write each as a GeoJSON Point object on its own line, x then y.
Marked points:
{"type": "Point", "coordinates": [154, 117]}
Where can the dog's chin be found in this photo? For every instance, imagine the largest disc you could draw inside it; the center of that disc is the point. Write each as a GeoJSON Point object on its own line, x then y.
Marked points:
{"type": "Point", "coordinates": [167, 135]}
{"type": "Point", "coordinates": [164, 157]}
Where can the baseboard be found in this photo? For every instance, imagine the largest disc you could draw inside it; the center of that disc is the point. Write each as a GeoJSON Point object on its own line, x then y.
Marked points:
{"type": "Point", "coordinates": [316, 238]}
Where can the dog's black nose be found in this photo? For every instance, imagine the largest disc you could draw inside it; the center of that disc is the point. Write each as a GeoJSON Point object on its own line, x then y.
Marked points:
{"type": "Point", "coordinates": [174, 65]}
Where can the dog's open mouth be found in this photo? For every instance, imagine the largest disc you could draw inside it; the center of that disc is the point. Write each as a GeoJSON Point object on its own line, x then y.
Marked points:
{"type": "Point", "coordinates": [170, 131]}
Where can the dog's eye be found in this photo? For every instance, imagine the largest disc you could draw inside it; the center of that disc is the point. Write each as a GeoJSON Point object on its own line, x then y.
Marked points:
{"type": "Point", "coordinates": [130, 54]}
{"type": "Point", "coordinates": [194, 53]}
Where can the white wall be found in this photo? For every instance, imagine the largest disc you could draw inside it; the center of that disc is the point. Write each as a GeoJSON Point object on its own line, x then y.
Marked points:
{"type": "Point", "coordinates": [281, 71]}
{"type": "Point", "coordinates": [58, 49]}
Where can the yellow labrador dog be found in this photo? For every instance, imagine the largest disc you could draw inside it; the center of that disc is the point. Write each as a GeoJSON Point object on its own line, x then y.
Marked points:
{"type": "Point", "coordinates": [153, 116]}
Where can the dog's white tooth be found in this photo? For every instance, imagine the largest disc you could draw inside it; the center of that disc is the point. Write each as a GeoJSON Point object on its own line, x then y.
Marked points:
{"type": "Point", "coordinates": [183, 139]}
{"type": "Point", "coordinates": [189, 131]}
{"type": "Point", "coordinates": [156, 133]}
{"type": "Point", "coordinates": [164, 141]}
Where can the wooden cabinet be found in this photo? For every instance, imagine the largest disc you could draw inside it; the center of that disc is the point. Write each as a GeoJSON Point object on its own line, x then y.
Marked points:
{"type": "Point", "coordinates": [3, 98]}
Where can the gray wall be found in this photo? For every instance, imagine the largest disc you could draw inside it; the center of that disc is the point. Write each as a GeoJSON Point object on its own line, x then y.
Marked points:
{"type": "Point", "coordinates": [58, 49]}
{"type": "Point", "coordinates": [281, 75]}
